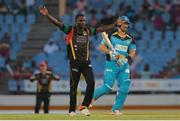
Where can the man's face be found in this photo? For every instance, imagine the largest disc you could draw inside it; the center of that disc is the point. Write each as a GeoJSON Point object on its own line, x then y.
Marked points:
{"type": "Point", "coordinates": [122, 25]}
{"type": "Point", "coordinates": [43, 68]}
{"type": "Point", "coordinates": [81, 21]}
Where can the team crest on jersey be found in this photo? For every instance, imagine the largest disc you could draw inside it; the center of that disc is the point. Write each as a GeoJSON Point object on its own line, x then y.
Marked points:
{"type": "Point", "coordinates": [85, 33]}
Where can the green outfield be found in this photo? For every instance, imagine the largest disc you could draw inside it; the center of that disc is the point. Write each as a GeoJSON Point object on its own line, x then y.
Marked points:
{"type": "Point", "coordinates": [100, 115]}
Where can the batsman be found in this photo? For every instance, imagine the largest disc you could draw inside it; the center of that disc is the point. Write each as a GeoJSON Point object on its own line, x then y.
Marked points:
{"type": "Point", "coordinates": [119, 52]}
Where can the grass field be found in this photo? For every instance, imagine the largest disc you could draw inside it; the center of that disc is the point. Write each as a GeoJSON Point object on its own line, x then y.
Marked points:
{"type": "Point", "coordinates": [100, 115]}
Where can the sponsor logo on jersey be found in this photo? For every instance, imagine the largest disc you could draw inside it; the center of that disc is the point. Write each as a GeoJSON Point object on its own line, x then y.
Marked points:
{"type": "Point", "coordinates": [121, 48]}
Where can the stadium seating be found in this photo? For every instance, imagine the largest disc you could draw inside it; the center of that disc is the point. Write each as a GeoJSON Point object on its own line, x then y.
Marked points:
{"type": "Point", "coordinates": [18, 27]}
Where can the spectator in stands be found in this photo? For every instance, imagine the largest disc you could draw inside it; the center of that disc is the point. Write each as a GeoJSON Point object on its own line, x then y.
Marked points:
{"type": "Point", "coordinates": [166, 17]}
{"type": "Point", "coordinates": [172, 69]}
{"type": "Point", "coordinates": [2, 64]}
{"type": "Point", "coordinates": [107, 18]}
{"type": "Point", "coordinates": [156, 4]}
{"type": "Point", "coordinates": [3, 8]}
{"type": "Point", "coordinates": [146, 6]}
{"type": "Point", "coordinates": [5, 46]}
{"type": "Point", "coordinates": [29, 65]}
{"type": "Point", "coordinates": [130, 13]}
{"type": "Point", "coordinates": [43, 78]}
{"type": "Point", "coordinates": [175, 15]}
{"type": "Point", "coordinates": [30, 6]}
{"type": "Point", "coordinates": [146, 73]}
{"type": "Point", "coordinates": [98, 3]}
{"type": "Point", "coordinates": [145, 11]}
{"type": "Point", "coordinates": [93, 20]}
{"type": "Point", "coordinates": [121, 8]}
{"type": "Point", "coordinates": [33, 66]}
{"type": "Point", "coordinates": [135, 33]}
{"type": "Point", "coordinates": [158, 23]}
{"type": "Point", "coordinates": [167, 5]}
{"type": "Point", "coordinates": [14, 7]}
{"type": "Point", "coordinates": [9, 67]}
{"type": "Point", "coordinates": [50, 47]}
{"type": "Point", "coordinates": [81, 5]}
{"type": "Point", "coordinates": [22, 7]}
{"type": "Point", "coordinates": [18, 76]}
{"type": "Point", "coordinates": [109, 9]}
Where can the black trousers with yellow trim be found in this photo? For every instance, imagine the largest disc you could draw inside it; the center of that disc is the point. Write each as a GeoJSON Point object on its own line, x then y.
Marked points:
{"type": "Point", "coordinates": [76, 69]}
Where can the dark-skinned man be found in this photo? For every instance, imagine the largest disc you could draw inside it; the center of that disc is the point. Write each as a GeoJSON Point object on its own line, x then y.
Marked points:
{"type": "Point", "coordinates": [77, 42]}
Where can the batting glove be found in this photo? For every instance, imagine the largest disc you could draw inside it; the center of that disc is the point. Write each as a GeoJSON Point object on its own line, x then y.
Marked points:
{"type": "Point", "coordinates": [113, 55]}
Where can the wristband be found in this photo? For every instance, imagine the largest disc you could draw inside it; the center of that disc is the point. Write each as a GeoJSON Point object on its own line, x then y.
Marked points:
{"type": "Point", "coordinates": [129, 58]}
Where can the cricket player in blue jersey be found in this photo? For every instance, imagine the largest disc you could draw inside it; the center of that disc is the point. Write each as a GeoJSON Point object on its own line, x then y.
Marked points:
{"type": "Point", "coordinates": [117, 64]}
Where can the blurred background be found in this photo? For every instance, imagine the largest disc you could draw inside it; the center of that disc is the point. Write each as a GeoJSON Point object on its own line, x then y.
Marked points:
{"type": "Point", "coordinates": [27, 38]}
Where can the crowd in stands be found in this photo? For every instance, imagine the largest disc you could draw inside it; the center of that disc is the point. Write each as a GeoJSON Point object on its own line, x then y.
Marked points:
{"type": "Point", "coordinates": [17, 6]}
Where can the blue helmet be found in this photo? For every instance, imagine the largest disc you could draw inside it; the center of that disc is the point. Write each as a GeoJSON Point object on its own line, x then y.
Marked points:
{"type": "Point", "coordinates": [125, 19]}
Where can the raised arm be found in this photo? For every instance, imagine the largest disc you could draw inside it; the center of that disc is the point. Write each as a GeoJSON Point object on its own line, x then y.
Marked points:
{"type": "Point", "coordinates": [44, 11]}
{"type": "Point", "coordinates": [106, 27]}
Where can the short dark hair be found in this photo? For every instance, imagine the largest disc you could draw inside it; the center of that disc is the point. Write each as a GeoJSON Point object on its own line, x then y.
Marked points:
{"type": "Point", "coordinates": [79, 15]}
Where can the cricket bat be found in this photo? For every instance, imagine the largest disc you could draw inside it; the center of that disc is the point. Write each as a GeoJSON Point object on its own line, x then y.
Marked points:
{"type": "Point", "coordinates": [108, 42]}
{"type": "Point", "coordinates": [106, 38]}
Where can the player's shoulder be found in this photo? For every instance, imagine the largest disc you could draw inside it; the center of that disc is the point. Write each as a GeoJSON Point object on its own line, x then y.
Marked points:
{"type": "Point", "coordinates": [67, 28]}
{"type": "Point", "coordinates": [129, 36]}
{"type": "Point", "coordinates": [37, 72]}
{"type": "Point", "coordinates": [113, 33]}
{"type": "Point", "coordinates": [49, 72]}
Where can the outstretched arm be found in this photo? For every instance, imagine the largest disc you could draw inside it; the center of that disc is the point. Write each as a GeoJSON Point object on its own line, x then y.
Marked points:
{"type": "Point", "coordinates": [44, 11]}
{"type": "Point", "coordinates": [55, 77]}
{"type": "Point", "coordinates": [105, 27]}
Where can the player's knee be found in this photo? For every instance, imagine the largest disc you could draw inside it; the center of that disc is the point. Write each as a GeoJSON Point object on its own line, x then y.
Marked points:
{"type": "Point", "coordinates": [125, 87]}
{"type": "Point", "coordinates": [91, 83]}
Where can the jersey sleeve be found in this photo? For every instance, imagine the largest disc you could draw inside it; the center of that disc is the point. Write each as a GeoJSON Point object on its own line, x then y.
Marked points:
{"type": "Point", "coordinates": [132, 46]}
{"type": "Point", "coordinates": [92, 31]}
{"type": "Point", "coordinates": [33, 77]}
{"type": "Point", "coordinates": [54, 77]}
{"type": "Point", "coordinates": [66, 28]}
